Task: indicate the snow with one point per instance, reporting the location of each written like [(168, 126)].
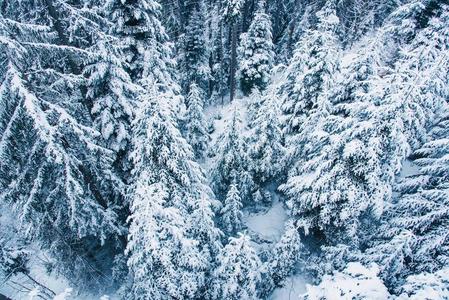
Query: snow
[(409, 169), (269, 224), (294, 286), (355, 282)]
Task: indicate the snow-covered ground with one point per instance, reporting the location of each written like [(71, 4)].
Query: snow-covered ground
[(269, 224)]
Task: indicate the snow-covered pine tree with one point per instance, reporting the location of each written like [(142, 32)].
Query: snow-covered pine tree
[(311, 72), (194, 67), (232, 10), (168, 186), (418, 217), (239, 271), (113, 98), (55, 171), (231, 214), (231, 162), (195, 121), (285, 255), (265, 143), (165, 255), (256, 53), (138, 26)]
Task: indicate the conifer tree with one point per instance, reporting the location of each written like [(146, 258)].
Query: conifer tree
[(113, 97), (230, 161), (265, 143), (232, 12), (285, 255), (238, 272), (56, 172), (231, 211), (137, 24), (196, 127), (256, 48), (311, 72), (194, 60), (165, 255)]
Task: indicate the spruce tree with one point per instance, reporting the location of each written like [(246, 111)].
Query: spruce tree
[(56, 171), (194, 67), (231, 162), (166, 258), (285, 255), (196, 127), (239, 271), (265, 143), (231, 214), (256, 53)]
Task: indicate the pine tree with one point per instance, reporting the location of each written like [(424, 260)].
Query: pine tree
[(113, 96), (196, 127), (56, 172), (230, 161), (238, 272), (137, 24), (311, 72), (285, 255), (165, 256), (231, 211), (232, 12), (194, 57), (265, 143), (256, 48)]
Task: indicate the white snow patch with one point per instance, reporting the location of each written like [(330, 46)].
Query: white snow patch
[(269, 224), (294, 286), (409, 169)]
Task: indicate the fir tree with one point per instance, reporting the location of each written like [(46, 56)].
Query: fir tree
[(56, 172), (256, 58), (113, 97), (194, 60), (168, 188), (238, 272), (230, 161), (285, 255), (196, 127), (231, 212), (265, 143)]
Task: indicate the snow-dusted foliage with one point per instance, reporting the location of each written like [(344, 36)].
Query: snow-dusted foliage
[(266, 152), (323, 127), (166, 258), (56, 171), (256, 53), (238, 272), (144, 40), (355, 282), (231, 214), (413, 237), (286, 255), (113, 98), (196, 127), (194, 67), (430, 286), (231, 162), (311, 74)]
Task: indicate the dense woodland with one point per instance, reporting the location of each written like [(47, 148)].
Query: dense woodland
[(115, 177)]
